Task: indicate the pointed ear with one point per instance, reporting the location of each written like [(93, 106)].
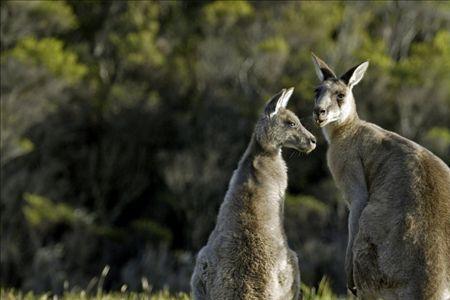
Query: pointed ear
[(284, 99), (323, 71), (278, 101), (355, 74)]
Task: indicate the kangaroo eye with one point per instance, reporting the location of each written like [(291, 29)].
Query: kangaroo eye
[(291, 124), (340, 96)]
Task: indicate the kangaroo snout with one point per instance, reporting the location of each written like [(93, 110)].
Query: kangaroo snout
[(312, 143), (320, 113), (303, 142)]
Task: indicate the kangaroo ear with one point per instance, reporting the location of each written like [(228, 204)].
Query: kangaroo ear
[(278, 101), (355, 74), (284, 99), (323, 71)]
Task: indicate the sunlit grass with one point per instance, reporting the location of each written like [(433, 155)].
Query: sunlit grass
[(9, 294), (322, 292)]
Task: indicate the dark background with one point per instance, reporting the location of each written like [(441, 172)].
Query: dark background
[(121, 124)]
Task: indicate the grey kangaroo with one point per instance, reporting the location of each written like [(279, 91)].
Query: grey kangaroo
[(399, 198), (247, 255)]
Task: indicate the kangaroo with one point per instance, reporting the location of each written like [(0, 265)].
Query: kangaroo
[(247, 255), (399, 198)]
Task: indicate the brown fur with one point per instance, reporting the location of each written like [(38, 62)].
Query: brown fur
[(399, 194), (247, 256)]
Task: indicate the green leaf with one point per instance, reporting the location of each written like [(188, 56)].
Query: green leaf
[(223, 13), (41, 211), (50, 54)]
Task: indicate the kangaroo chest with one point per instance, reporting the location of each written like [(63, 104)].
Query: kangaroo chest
[(347, 170), (340, 161)]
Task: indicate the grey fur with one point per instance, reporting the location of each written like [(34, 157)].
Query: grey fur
[(399, 194), (247, 255)]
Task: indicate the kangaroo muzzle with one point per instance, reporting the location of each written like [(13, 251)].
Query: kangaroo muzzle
[(320, 115)]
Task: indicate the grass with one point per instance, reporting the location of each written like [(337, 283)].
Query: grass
[(322, 292), (10, 294)]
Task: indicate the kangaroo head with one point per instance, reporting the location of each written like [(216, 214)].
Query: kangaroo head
[(279, 127), (334, 101)]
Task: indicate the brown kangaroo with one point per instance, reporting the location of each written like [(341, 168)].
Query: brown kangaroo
[(247, 255), (399, 198)]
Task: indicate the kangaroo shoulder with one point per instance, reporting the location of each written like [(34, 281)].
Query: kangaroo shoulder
[(376, 140)]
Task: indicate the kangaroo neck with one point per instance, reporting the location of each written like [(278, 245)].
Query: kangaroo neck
[(264, 175), (256, 190), (263, 167), (255, 151), (341, 130)]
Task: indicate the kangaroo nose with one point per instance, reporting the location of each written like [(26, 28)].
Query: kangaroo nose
[(313, 140), (319, 111)]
